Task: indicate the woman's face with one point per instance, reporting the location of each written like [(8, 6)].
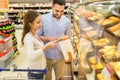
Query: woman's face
[(36, 25)]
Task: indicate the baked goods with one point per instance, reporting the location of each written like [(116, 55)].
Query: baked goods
[(109, 52), (100, 42), (110, 20), (117, 32), (99, 65), (101, 77), (117, 54), (118, 74), (96, 17), (114, 28), (107, 22), (115, 66), (114, 18), (91, 33), (92, 60)]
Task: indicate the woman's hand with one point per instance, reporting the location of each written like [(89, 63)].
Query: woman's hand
[(51, 44)]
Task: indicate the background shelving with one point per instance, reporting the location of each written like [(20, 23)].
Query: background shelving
[(17, 10), (7, 27)]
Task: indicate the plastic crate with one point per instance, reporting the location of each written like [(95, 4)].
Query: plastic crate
[(5, 42), (5, 52), (5, 63), (6, 58)]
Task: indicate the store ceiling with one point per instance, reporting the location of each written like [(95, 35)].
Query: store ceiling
[(36, 1), (46, 1), (29, 1)]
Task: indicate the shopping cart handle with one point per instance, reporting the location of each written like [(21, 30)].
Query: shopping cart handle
[(45, 71), (24, 70), (1, 69)]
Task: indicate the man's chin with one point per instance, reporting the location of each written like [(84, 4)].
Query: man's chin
[(58, 17)]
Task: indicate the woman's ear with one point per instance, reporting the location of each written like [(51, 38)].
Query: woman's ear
[(30, 24)]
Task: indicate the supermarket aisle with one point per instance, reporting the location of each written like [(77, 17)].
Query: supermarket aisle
[(20, 61)]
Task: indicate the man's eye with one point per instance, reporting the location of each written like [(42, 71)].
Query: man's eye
[(62, 11)]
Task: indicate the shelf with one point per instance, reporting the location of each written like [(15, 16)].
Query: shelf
[(4, 38), (114, 40), (13, 12), (15, 42), (14, 39), (17, 10), (19, 26), (16, 7), (15, 54), (31, 7), (85, 22)]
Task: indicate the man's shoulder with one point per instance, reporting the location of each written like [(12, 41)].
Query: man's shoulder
[(46, 15), (66, 19)]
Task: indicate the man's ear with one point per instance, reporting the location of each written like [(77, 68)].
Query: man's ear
[(52, 6)]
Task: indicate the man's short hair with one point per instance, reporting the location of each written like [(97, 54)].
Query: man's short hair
[(60, 2)]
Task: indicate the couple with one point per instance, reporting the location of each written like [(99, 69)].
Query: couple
[(39, 38)]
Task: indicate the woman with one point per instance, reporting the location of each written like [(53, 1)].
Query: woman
[(33, 44)]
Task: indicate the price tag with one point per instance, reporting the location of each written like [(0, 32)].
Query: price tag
[(4, 5), (98, 55), (107, 72), (100, 32), (97, 58)]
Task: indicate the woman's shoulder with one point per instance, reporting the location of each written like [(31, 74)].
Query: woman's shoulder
[(28, 36)]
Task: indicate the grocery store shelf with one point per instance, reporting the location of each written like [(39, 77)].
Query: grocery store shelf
[(20, 26)]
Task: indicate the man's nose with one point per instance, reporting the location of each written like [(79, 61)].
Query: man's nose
[(59, 13)]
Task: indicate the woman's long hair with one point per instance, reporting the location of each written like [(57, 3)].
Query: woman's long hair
[(28, 18)]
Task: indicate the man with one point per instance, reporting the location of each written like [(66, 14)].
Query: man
[(55, 25)]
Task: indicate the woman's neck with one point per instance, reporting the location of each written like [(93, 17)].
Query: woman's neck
[(33, 32)]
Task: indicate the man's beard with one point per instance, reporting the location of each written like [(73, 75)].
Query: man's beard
[(56, 16)]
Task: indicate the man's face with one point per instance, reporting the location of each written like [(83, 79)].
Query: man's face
[(58, 10)]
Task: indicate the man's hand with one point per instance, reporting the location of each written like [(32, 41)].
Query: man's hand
[(52, 38), (47, 39)]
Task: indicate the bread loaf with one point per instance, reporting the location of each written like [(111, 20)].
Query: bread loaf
[(107, 22), (114, 28), (100, 76), (114, 18), (92, 60)]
